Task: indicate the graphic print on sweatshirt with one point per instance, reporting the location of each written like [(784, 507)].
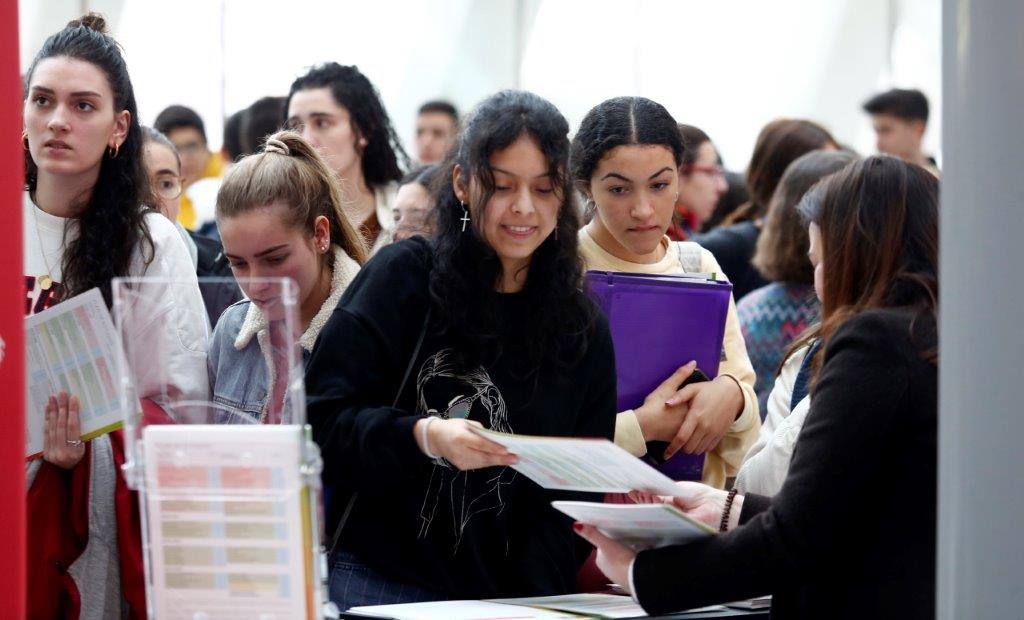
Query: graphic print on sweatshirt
[(444, 388)]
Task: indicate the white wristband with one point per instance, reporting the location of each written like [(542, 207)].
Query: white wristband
[(426, 438)]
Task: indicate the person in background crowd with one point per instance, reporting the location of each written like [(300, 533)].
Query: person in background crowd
[(414, 205), (201, 169), (261, 119), (701, 184), (437, 125), (774, 315), (778, 145), (900, 118), (489, 324), (828, 545), (231, 147), (86, 222), (280, 215), (164, 169), (337, 110), (735, 196), (625, 159)]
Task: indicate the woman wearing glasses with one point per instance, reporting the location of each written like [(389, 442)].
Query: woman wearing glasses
[(701, 184), (163, 167)]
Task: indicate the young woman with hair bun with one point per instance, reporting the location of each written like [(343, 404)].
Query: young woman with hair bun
[(88, 219), (280, 215)]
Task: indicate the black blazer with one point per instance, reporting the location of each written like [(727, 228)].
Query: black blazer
[(851, 534)]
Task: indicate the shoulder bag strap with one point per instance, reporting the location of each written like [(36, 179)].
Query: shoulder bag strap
[(405, 379)]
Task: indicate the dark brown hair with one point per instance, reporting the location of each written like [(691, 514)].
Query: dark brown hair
[(300, 180), (780, 143), (781, 254), (693, 137), (879, 221), (111, 224)]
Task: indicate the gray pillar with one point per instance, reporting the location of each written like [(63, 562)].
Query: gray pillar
[(981, 412)]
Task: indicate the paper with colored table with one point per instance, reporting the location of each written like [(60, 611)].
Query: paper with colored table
[(72, 347), (589, 465), (229, 526)]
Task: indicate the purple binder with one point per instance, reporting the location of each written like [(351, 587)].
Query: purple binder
[(659, 323)]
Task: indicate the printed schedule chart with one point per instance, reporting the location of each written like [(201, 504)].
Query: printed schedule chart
[(229, 525)]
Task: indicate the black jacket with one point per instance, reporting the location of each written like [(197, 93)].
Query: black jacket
[(478, 534), (734, 247), (851, 534)]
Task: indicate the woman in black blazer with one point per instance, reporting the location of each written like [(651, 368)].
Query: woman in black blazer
[(852, 532)]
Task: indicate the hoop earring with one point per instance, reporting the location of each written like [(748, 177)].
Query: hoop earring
[(113, 150), (465, 216), (24, 139)]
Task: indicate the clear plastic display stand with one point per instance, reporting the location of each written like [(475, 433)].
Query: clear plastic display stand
[(229, 491)]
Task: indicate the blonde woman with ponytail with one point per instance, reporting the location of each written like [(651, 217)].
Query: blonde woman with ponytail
[(280, 215)]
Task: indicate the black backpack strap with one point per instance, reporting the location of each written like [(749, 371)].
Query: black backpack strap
[(405, 379)]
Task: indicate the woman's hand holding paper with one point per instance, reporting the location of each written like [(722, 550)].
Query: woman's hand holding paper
[(613, 558), (699, 501), (62, 435), (454, 441)]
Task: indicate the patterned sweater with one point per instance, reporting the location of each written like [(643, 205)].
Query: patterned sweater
[(771, 317)]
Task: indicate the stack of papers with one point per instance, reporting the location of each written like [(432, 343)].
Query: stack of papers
[(229, 523), (640, 526), (573, 606)]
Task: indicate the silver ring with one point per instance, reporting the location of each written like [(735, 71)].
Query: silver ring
[(74, 442)]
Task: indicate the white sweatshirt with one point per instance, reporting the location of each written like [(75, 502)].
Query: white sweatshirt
[(168, 329), (766, 465)]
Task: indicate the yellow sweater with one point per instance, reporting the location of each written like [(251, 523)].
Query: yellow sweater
[(725, 459), (187, 214)]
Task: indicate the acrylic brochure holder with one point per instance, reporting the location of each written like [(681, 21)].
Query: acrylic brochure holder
[(658, 323), (229, 483)]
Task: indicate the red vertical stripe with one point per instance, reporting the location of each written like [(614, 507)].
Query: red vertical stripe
[(12, 385)]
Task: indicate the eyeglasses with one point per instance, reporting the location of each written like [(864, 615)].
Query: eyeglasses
[(167, 186), (190, 148), (717, 171)]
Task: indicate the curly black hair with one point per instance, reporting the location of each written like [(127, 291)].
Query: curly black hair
[(112, 225), (383, 158), (560, 315)]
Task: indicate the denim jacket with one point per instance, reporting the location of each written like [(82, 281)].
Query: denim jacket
[(239, 362)]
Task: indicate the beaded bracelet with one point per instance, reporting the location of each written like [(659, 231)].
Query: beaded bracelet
[(724, 526)]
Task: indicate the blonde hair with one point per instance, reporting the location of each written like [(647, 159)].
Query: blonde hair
[(290, 171)]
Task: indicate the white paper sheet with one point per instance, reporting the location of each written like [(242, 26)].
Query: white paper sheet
[(599, 605), (640, 526), (595, 465), (72, 347), (457, 610), (228, 522)]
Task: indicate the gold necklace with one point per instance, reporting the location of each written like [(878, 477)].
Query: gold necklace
[(45, 282)]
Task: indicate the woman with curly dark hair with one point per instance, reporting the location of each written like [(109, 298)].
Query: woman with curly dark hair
[(337, 110), (487, 324), (85, 223)]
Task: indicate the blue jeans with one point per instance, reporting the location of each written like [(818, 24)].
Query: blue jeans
[(354, 584)]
